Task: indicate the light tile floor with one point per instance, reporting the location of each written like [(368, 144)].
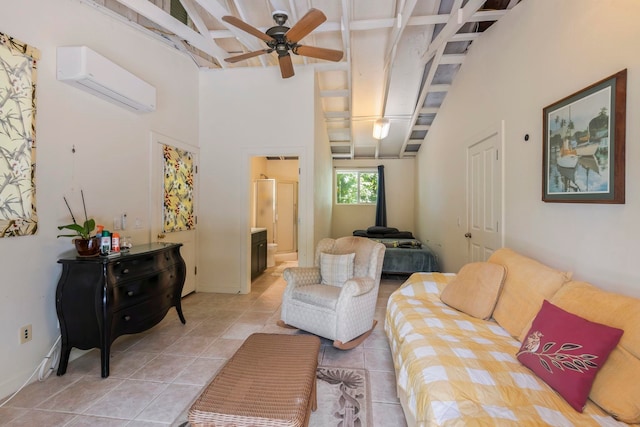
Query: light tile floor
[(156, 375)]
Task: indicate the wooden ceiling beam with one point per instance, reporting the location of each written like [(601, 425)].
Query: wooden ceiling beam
[(216, 10), (457, 18), (377, 24), (197, 20), (168, 22), (345, 28)]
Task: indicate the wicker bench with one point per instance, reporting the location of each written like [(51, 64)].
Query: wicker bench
[(270, 381)]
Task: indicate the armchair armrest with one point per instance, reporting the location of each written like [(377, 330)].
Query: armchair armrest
[(357, 286), (297, 276)]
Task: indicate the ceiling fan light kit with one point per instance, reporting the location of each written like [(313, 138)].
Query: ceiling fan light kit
[(381, 128), (282, 39)]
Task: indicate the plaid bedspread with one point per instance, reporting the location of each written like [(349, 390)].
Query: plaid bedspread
[(456, 370)]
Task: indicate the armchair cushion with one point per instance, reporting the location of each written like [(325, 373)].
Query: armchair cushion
[(358, 286), (336, 269), (318, 295)]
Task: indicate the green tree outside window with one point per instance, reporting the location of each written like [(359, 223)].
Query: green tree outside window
[(356, 187)]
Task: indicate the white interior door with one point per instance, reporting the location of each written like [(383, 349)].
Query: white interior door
[(165, 227), (484, 196), (286, 207)]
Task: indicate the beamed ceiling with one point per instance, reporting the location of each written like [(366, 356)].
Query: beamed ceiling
[(400, 56)]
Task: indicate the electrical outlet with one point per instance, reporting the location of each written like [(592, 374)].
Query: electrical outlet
[(25, 334)]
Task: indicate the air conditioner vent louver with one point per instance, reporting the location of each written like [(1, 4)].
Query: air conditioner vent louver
[(92, 72)]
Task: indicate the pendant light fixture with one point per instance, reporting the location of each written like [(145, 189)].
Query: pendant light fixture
[(381, 128)]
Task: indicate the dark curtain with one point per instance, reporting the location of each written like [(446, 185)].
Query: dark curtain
[(381, 206)]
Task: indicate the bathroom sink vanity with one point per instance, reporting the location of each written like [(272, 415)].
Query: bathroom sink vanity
[(258, 251)]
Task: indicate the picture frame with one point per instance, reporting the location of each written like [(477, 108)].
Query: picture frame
[(583, 150), (18, 77)]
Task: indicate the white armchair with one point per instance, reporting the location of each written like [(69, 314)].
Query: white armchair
[(336, 299)]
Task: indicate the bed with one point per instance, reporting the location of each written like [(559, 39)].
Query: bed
[(404, 254)]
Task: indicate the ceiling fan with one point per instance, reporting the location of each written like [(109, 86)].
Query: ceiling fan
[(282, 39)]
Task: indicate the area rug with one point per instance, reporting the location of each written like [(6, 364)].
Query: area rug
[(344, 399)]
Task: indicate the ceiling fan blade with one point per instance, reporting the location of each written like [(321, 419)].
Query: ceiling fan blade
[(238, 58), (246, 27), (305, 25), (318, 52), (286, 66)]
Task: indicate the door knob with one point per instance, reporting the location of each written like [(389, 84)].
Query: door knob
[(467, 235), (161, 236)]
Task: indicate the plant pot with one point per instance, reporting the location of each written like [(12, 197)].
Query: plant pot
[(87, 247)]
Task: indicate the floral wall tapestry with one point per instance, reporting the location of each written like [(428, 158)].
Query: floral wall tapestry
[(177, 214), (18, 65)]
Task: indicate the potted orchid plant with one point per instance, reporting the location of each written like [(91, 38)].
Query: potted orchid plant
[(86, 245)]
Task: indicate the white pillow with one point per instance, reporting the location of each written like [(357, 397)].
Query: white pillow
[(336, 269)]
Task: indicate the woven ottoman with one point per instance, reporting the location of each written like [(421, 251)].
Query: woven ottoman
[(270, 381)]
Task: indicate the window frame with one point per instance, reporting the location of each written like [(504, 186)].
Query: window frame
[(359, 172)]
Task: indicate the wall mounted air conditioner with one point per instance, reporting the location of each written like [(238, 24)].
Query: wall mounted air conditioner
[(92, 72)]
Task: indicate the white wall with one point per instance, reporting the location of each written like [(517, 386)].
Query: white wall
[(537, 54), (246, 113), (110, 164), (399, 178)]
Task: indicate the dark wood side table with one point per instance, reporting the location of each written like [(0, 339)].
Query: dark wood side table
[(100, 298)]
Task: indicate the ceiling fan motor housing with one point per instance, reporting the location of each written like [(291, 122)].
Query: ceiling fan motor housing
[(279, 43)]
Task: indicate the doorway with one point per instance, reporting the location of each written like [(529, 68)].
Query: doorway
[(274, 202), (484, 195)]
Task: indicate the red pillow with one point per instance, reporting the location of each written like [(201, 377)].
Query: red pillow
[(566, 351)]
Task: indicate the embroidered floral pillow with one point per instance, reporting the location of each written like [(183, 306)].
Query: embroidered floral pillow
[(566, 351)]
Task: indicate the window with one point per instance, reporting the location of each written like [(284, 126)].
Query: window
[(355, 187)]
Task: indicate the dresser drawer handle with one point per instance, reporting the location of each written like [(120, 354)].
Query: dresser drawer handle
[(126, 318), (125, 271), (130, 293)]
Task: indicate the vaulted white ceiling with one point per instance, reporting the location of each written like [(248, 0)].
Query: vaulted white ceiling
[(400, 56)]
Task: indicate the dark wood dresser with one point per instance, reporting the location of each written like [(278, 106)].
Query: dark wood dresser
[(100, 298)]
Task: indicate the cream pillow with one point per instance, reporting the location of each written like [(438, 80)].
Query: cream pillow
[(336, 269), (475, 289), (527, 284)]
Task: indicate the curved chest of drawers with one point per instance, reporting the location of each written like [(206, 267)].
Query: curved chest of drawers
[(99, 299)]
